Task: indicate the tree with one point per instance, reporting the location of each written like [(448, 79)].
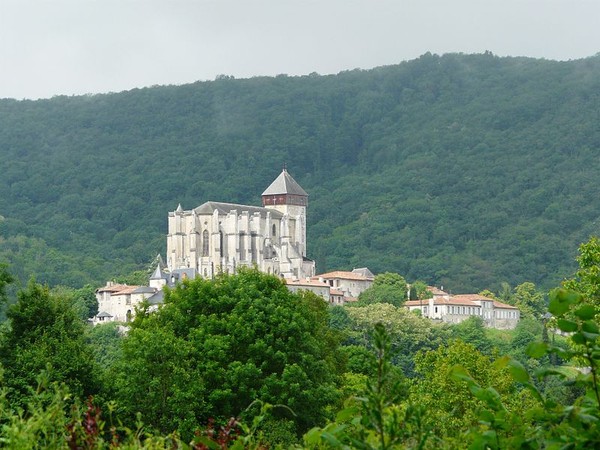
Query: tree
[(419, 291), (217, 345), (87, 301), (5, 279), (408, 332), (84, 300), (451, 408), (529, 300), (472, 331), (387, 288), (45, 334), (587, 278)]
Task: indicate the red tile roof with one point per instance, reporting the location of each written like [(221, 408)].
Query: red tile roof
[(312, 282), (344, 276)]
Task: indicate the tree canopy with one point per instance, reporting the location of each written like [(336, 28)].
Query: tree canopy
[(218, 345)]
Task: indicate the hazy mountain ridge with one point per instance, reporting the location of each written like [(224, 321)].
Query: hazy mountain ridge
[(462, 170)]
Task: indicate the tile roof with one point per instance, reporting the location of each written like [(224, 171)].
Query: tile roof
[(436, 291), (314, 283), (126, 290), (112, 288), (344, 275), (462, 299), (498, 304)]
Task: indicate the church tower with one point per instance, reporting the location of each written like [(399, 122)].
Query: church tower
[(287, 196)]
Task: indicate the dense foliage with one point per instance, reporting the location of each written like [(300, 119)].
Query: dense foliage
[(416, 168), (240, 362), (216, 346)]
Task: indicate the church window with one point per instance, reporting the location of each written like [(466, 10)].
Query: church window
[(205, 243), (274, 230), (242, 246), (128, 317), (221, 242), (253, 246)]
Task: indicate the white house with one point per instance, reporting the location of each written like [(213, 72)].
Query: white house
[(456, 308)]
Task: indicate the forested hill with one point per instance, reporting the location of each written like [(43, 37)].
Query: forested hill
[(461, 170)]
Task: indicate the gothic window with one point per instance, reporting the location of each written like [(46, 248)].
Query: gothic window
[(242, 246), (253, 246), (205, 243)]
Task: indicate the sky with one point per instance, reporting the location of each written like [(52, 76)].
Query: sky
[(75, 47)]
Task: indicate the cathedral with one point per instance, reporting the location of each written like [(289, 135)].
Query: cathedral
[(220, 237)]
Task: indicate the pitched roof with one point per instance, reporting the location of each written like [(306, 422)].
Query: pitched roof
[(112, 288), (126, 290), (226, 208), (345, 276), (304, 282), (436, 291), (285, 184), (364, 271), (462, 299), (498, 304)]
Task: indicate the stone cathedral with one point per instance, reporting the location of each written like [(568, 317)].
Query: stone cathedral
[(220, 237)]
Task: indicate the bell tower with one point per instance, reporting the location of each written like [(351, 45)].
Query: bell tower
[(287, 196)]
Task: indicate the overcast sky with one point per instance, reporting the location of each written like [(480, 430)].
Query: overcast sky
[(54, 47)]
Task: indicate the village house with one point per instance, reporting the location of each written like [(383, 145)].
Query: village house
[(350, 283), (456, 308)]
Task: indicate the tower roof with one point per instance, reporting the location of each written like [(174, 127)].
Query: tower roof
[(285, 184)]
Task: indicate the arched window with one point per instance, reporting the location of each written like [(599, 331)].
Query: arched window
[(274, 230), (205, 243), (128, 315)]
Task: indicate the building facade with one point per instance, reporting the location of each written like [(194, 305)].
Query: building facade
[(456, 308), (220, 237)]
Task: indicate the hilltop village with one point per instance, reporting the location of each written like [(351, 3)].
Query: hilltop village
[(219, 237)]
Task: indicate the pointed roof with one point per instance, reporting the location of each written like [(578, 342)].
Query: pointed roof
[(285, 184), (158, 274)]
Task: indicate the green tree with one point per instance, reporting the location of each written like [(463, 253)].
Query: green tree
[(45, 334), (217, 345), (86, 301), (408, 332), (5, 279), (387, 288), (587, 277), (472, 331), (451, 409), (419, 291), (529, 300)]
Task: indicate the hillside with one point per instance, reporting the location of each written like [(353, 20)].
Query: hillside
[(460, 170)]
